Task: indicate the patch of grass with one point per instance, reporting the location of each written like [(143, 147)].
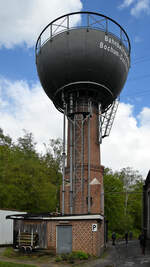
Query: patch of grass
[(9, 252), (42, 256), (11, 264), (39, 256)]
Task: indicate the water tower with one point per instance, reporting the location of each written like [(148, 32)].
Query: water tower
[(82, 61)]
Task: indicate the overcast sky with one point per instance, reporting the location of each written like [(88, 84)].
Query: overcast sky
[(23, 103)]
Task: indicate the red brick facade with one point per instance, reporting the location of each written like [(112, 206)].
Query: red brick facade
[(80, 204), (83, 238), (81, 207)]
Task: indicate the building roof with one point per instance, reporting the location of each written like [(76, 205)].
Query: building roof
[(55, 217)]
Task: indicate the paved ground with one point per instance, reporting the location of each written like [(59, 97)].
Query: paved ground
[(114, 256), (132, 255), (122, 256)]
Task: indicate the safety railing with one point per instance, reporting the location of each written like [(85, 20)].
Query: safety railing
[(88, 20)]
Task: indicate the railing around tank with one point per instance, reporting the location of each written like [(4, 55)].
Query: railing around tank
[(88, 20)]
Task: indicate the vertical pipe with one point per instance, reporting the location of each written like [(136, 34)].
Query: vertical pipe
[(82, 164), (71, 155), (71, 208), (102, 200), (100, 125), (74, 162), (64, 156), (89, 159)]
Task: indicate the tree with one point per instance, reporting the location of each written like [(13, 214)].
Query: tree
[(123, 202), (133, 184), (114, 201), (52, 161), (135, 202), (28, 181), (129, 177)]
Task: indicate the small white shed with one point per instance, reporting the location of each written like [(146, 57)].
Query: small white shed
[(6, 227)]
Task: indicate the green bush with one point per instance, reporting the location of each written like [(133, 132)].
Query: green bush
[(71, 257), (58, 259), (80, 255)]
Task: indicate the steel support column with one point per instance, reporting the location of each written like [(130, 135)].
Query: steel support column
[(64, 158), (71, 156), (82, 163), (89, 167)]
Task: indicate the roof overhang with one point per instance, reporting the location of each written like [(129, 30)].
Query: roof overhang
[(57, 218)]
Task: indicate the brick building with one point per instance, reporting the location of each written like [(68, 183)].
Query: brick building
[(55, 232)]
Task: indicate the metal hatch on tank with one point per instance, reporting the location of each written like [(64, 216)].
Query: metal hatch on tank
[(91, 58)]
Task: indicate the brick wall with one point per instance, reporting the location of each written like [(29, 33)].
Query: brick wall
[(80, 204), (80, 193), (86, 240), (83, 238)]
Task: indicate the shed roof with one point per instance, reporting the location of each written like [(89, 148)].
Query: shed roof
[(55, 217)]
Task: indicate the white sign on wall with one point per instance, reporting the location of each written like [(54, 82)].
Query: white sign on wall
[(94, 227)]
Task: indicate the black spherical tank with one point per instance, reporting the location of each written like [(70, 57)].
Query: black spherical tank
[(91, 58)]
